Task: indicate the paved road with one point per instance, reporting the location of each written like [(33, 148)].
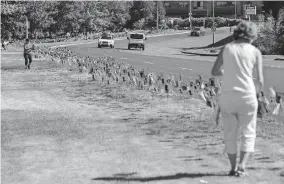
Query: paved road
[(163, 54)]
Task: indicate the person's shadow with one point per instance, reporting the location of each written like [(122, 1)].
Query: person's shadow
[(128, 177)]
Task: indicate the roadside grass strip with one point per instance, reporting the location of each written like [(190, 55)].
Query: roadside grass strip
[(180, 126), (106, 70)]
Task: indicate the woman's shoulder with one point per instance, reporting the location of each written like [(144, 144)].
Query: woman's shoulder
[(247, 46), (257, 51)]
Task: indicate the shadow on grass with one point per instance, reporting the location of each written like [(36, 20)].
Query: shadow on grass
[(265, 168), (158, 178), (13, 67)]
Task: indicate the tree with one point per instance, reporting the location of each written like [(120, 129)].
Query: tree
[(69, 16), (59, 17), (139, 24), (272, 7), (280, 32), (161, 10), (12, 20), (39, 14), (146, 10)]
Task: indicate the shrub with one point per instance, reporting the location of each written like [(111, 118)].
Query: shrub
[(178, 22), (260, 18), (280, 32), (221, 21), (175, 27), (139, 24), (198, 22), (266, 41)]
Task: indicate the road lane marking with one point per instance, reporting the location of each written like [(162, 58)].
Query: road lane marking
[(186, 68), (148, 62)]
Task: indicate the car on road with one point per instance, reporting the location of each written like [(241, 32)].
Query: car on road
[(106, 40), (197, 31), (136, 40)]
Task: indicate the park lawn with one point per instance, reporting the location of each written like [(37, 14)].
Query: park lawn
[(58, 126)]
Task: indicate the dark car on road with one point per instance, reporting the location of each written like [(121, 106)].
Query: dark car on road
[(197, 31)]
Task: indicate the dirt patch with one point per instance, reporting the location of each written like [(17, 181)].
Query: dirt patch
[(59, 126)]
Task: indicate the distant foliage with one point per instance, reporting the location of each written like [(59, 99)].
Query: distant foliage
[(271, 35), (266, 37), (49, 19), (280, 32), (272, 8), (139, 24), (198, 22)]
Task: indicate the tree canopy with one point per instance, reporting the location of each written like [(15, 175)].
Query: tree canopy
[(55, 17), (272, 7)]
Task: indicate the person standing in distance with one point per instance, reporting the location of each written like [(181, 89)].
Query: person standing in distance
[(238, 100), (28, 47)]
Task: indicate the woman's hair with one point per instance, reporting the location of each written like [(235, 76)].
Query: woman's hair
[(245, 30)]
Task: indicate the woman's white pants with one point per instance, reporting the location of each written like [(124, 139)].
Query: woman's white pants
[(239, 112)]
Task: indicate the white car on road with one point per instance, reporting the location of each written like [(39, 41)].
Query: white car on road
[(136, 40), (106, 40)]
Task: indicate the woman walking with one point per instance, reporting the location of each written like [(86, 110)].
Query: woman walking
[(238, 100)]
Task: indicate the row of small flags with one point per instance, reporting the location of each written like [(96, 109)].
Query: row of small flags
[(208, 92)]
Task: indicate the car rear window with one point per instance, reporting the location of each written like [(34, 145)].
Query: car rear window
[(197, 29), (106, 37), (136, 36)]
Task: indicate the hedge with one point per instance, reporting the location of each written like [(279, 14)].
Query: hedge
[(219, 21)]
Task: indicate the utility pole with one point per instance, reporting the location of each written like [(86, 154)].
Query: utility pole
[(27, 27), (235, 9), (213, 25), (157, 17), (190, 15), (207, 9)]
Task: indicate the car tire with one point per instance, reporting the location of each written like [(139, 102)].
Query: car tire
[(128, 47), (99, 46), (143, 48)]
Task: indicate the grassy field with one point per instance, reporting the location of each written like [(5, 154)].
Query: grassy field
[(59, 126)]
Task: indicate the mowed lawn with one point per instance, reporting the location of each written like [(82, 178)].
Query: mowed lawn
[(58, 126)]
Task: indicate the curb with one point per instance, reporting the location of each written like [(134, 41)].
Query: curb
[(199, 54)]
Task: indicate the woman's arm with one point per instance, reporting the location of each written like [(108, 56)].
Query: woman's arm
[(259, 70), (216, 70)]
